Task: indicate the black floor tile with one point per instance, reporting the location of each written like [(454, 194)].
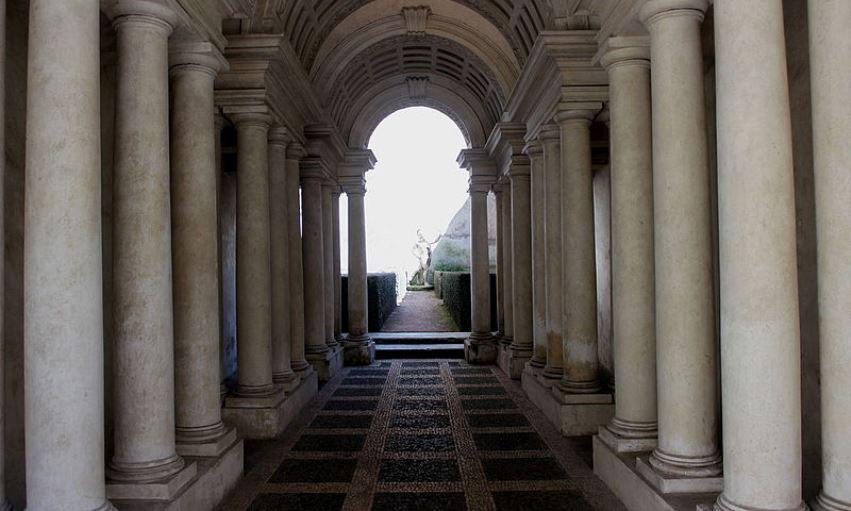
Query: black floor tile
[(330, 443), (419, 443), (351, 405), (523, 469), (509, 441), (475, 380), (540, 501), (481, 391), (386, 364), (430, 390), (454, 364), (418, 421), (341, 422), (497, 420), (420, 372), (298, 501), (368, 372), (363, 381), (315, 471), (419, 471), (419, 502), (470, 370), (487, 404), (420, 405), (432, 380), (420, 364), (356, 392)]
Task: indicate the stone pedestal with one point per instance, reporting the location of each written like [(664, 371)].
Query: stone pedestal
[(266, 416), (358, 352), (571, 414), (328, 363)]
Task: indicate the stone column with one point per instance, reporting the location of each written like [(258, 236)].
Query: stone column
[(194, 225), (686, 363), (504, 212), (4, 506), (335, 230), (328, 188), (143, 313), (760, 331), (314, 264), (219, 125), (521, 263), (550, 141), (295, 152), (63, 303), (253, 256), (633, 307), (539, 293), (830, 46), (359, 348), (500, 266), (282, 372)]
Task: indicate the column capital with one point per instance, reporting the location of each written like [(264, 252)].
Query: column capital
[(519, 168), (549, 133), (627, 51), (203, 56), (330, 185), (144, 12), (353, 185), (654, 10), (478, 162), (296, 151), (583, 113), (533, 149), (257, 116), (312, 169), (279, 135)]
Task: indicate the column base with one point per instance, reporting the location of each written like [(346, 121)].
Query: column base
[(826, 503), (215, 478), (265, 418), (512, 360), (618, 472), (209, 448), (504, 340), (623, 443), (303, 369), (723, 504), (480, 348), (667, 483), (161, 489), (571, 414), (358, 351), (327, 364), (287, 381)]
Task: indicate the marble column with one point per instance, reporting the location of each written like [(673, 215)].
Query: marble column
[(535, 152), (521, 262), (500, 265), (194, 225), (633, 428), (686, 365), (314, 267), (551, 143), (328, 188), (507, 266), (760, 330), (63, 302), (335, 230), (359, 348), (144, 449), (253, 256), (282, 372), (830, 47), (295, 152)]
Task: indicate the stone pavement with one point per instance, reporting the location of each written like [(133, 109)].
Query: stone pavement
[(420, 311), (421, 435)]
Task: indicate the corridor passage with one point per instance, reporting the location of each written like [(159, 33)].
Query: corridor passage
[(407, 435), (420, 311)]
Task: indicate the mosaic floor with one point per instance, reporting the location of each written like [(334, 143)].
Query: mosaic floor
[(421, 435)]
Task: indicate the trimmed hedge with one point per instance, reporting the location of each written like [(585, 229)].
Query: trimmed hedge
[(454, 288), (381, 299)]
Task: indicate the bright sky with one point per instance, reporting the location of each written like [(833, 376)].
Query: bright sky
[(416, 184)]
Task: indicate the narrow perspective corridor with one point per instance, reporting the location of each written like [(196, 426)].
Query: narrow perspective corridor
[(420, 311), (421, 435)]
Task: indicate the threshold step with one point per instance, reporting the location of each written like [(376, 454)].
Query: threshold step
[(419, 337)]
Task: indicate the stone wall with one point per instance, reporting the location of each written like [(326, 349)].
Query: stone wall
[(381, 299)]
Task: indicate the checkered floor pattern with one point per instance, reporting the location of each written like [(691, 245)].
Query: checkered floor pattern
[(420, 435)]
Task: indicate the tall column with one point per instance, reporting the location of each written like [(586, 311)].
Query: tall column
[(194, 225), (633, 307), (551, 142), (686, 364), (335, 230), (500, 265), (539, 293), (328, 259), (4, 506), (578, 260), (359, 348), (480, 347), (63, 305), (830, 46), (504, 212), (295, 152), (143, 313), (253, 256), (521, 263), (760, 339), (282, 372), (314, 267), (219, 121)]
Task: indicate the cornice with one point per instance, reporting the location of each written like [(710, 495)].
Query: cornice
[(505, 145)]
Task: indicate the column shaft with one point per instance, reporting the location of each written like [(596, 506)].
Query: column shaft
[(195, 254), (253, 257), (479, 274), (338, 299), (4, 506), (297, 328), (578, 259), (521, 259), (552, 260), (328, 259), (280, 255), (830, 47), (143, 313), (686, 361), (539, 282), (63, 306), (313, 260), (760, 339), (507, 266), (357, 285), (633, 305), (500, 265)]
